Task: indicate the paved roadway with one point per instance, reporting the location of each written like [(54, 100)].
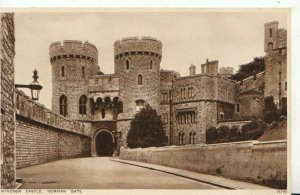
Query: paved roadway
[(100, 173)]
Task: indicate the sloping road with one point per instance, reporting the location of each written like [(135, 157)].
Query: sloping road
[(100, 173)]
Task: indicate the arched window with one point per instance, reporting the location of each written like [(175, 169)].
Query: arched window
[(83, 72), (194, 138), (63, 105), (180, 139), (103, 113), (82, 105), (127, 65), (62, 69), (140, 79), (270, 32), (151, 65), (139, 105), (270, 46)]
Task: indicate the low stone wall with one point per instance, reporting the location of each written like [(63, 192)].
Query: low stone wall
[(38, 143), (258, 162)]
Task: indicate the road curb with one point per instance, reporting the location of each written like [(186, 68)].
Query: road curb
[(210, 182), (180, 175)]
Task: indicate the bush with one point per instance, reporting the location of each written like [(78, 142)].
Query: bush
[(271, 116), (234, 133), (223, 132), (211, 135), (146, 129), (269, 104)]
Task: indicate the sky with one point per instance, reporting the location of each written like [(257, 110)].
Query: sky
[(233, 37)]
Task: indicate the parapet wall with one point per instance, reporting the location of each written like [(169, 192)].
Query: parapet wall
[(38, 112), (252, 83), (73, 48), (43, 136), (137, 44), (252, 161)]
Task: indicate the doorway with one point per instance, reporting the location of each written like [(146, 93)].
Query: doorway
[(104, 144)]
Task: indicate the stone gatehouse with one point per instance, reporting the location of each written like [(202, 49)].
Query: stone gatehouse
[(188, 105)]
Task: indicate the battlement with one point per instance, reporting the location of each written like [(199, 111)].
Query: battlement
[(25, 107), (136, 45), (73, 48)]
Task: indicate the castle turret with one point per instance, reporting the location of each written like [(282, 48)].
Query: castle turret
[(275, 63), (73, 63), (137, 63), (192, 70)]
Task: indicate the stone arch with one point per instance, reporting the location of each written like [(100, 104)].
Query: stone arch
[(94, 141)]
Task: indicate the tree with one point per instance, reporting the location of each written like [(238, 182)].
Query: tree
[(247, 70), (146, 129)]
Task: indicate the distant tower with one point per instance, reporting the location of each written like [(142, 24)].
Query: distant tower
[(275, 45), (73, 63), (137, 63)]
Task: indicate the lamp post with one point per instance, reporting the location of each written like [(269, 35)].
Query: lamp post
[(35, 87)]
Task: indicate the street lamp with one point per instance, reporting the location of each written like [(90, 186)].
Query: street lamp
[(35, 87)]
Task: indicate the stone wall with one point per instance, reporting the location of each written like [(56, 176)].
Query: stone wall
[(7, 129), (253, 161), (37, 143), (43, 136)]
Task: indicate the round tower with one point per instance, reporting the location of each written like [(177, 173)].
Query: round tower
[(137, 63), (73, 63)]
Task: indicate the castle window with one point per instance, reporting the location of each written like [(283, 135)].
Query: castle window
[(285, 86), (127, 65), (82, 72), (103, 113), (82, 105), (62, 71), (140, 79), (165, 97), (237, 108), (192, 91), (270, 32), (18, 101), (151, 65), (193, 138), (189, 91), (139, 105), (270, 46), (109, 80), (63, 105), (179, 138)]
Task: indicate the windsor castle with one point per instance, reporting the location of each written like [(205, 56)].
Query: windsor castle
[(188, 105)]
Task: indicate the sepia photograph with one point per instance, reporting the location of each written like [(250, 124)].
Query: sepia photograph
[(177, 99)]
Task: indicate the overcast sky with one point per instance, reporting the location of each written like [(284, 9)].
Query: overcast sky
[(188, 37)]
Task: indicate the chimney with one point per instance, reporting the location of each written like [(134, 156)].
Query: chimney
[(192, 70)]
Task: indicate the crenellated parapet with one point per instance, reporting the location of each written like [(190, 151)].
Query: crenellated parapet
[(138, 45), (32, 110), (73, 49)]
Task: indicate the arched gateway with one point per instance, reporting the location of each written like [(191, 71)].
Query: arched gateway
[(103, 143)]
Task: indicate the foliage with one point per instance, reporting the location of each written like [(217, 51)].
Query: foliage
[(146, 129), (211, 135), (271, 113), (223, 134), (247, 70), (271, 116), (269, 104)]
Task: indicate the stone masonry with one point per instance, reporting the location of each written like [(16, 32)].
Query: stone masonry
[(187, 105), (7, 130)]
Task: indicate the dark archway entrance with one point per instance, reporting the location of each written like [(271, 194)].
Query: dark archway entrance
[(104, 144)]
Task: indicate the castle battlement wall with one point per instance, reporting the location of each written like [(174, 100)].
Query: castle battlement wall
[(251, 83), (138, 45), (73, 48), (25, 107)]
